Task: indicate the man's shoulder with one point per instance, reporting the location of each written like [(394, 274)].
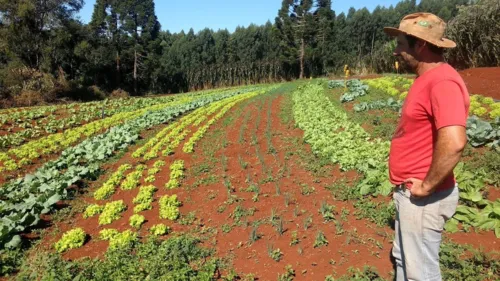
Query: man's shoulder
[(444, 74)]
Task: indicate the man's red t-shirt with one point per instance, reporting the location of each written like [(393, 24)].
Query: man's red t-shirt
[(437, 99)]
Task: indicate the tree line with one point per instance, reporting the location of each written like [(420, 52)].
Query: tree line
[(46, 53)]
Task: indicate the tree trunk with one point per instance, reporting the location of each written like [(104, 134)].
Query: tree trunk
[(302, 54), (117, 69), (135, 72)]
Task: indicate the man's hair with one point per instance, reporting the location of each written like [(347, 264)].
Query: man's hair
[(412, 40)]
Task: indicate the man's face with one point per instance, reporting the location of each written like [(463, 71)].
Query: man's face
[(406, 56)]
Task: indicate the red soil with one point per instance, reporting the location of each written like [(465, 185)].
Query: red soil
[(312, 263), (484, 81)]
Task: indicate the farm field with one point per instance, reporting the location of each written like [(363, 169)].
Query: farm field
[(268, 182)]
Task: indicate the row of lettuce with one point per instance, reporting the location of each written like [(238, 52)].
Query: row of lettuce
[(22, 201), (330, 132), (19, 126), (169, 139)]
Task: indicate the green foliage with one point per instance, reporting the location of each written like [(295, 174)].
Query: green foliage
[(10, 260), (108, 188), (107, 234), (474, 29), (169, 207), (145, 195), (86, 158), (355, 89), (288, 275), (380, 104), (275, 254), (380, 213), (176, 174), (480, 132), (320, 240), (71, 240), (460, 262), (327, 211), (159, 229), (333, 136), (179, 259), (122, 240), (367, 274), (136, 221), (112, 211), (92, 210), (295, 238)]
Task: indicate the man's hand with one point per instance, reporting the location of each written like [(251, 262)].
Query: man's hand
[(417, 188)]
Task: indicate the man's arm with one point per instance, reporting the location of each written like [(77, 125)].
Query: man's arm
[(449, 146)]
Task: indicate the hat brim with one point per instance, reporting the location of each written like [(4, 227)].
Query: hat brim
[(443, 43)]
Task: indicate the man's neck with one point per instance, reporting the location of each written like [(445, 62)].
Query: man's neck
[(423, 67), (428, 62)]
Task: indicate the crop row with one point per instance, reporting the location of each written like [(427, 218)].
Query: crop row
[(391, 85), (16, 158), (331, 134), (24, 200)]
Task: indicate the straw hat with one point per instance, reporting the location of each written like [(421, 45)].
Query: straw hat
[(425, 26)]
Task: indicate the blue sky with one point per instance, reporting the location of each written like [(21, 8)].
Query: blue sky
[(177, 15)]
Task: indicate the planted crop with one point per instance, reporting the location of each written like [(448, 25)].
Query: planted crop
[(71, 240), (112, 211), (169, 207)]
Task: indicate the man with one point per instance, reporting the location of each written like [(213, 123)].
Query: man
[(426, 146)]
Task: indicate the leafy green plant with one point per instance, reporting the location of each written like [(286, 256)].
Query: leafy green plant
[(295, 238), (480, 132), (327, 211), (320, 240), (487, 218), (136, 221), (176, 173), (459, 262), (159, 229), (226, 228), (142, 207), (169, 207), (275, 254), (145, 195), (254, 235), (289, 274), (124, 239), (353, 274), (162, 256), (112, 211), (92, 210), (307, 190), (72, 239), (308, 222), (107, 234)]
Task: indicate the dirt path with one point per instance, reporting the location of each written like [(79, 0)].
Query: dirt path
[(351, 242)]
